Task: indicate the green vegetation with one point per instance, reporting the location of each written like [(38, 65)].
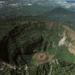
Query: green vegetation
[(25, 38)]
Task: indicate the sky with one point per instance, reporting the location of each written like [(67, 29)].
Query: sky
[(68, 4)]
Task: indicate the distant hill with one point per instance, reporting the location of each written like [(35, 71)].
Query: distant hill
[(32, 10), (61, 14)]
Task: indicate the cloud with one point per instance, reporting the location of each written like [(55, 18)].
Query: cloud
[(64, 3), (67, 6), (2, 2), (73, 4), (14, 4), (19, 4), (1, 5), (29, 4)]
